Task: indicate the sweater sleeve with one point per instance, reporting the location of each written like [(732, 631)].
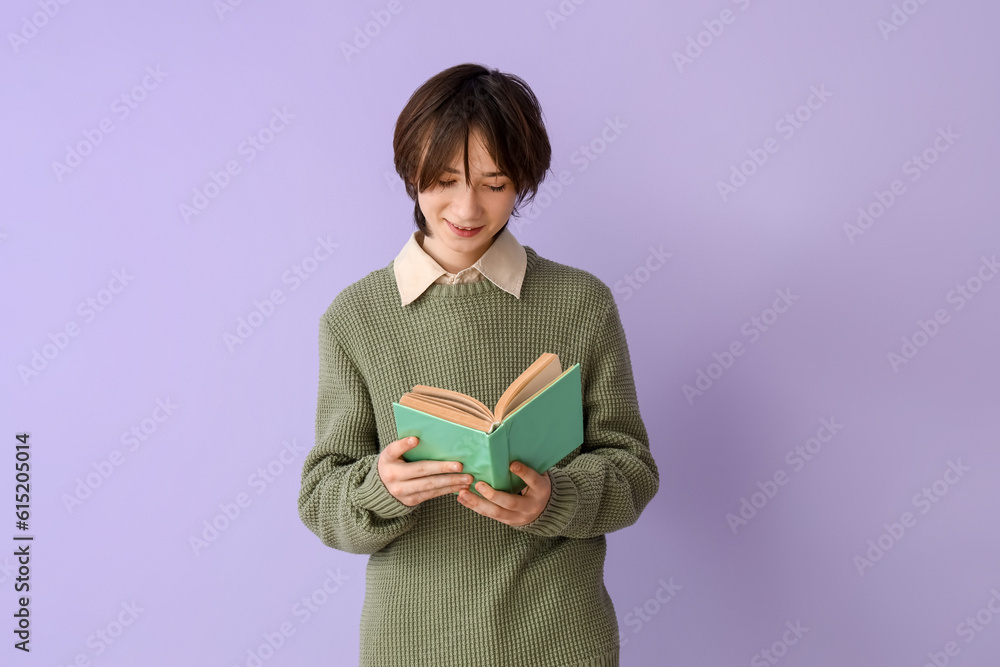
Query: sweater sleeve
[(608, 484), (342, 499)]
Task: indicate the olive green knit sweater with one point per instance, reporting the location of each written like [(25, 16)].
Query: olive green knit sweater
[(446, 586)]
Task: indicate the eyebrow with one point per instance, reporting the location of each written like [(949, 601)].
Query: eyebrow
[(489, 174)]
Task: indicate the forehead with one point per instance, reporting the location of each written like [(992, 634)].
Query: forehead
[(480, 161), (481, 164)]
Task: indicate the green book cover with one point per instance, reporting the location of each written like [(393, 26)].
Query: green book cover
[(539, 433)]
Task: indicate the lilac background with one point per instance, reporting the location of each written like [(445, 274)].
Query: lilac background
[(329, 174)]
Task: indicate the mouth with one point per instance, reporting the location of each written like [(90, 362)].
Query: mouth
[(464, 232)]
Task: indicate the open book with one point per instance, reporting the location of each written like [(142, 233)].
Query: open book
[(537, 421)]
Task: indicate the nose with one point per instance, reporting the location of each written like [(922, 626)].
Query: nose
[(466, 205)]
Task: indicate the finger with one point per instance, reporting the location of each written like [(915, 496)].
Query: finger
[(447, 490), (490, 509), (413, 469), (394, 450), (436, 485), (417, 469), (500, 499), (478, 504), (526, 473)]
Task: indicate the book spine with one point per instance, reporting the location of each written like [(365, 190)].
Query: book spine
[(499, 448)]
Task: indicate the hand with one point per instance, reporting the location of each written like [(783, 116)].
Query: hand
[(412, 482), (511, 509)]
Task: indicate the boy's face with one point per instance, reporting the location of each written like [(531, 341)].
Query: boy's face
[(485, 206)]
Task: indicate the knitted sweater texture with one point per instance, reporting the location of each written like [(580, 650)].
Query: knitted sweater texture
[(444, 585)]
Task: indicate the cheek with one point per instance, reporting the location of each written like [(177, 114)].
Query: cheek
[(432, 202), (428, 204)]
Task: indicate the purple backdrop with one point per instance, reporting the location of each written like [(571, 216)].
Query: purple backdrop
[(793, 202)]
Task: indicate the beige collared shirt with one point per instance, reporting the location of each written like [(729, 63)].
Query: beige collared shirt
[(503, 264)]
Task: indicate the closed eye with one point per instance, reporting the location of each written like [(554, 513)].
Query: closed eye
[(448, 184)]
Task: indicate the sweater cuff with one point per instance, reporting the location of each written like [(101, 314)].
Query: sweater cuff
[(560, 509), (373, 496)]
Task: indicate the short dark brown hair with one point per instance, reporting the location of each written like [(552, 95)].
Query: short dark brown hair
[(442, 112)]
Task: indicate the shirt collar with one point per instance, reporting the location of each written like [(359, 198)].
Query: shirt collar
[(504, 264)]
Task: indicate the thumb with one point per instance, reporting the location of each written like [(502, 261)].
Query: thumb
[(408, 444)]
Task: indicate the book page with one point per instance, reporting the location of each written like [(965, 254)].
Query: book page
[(538, 376), (534, 393), (456, 399)]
